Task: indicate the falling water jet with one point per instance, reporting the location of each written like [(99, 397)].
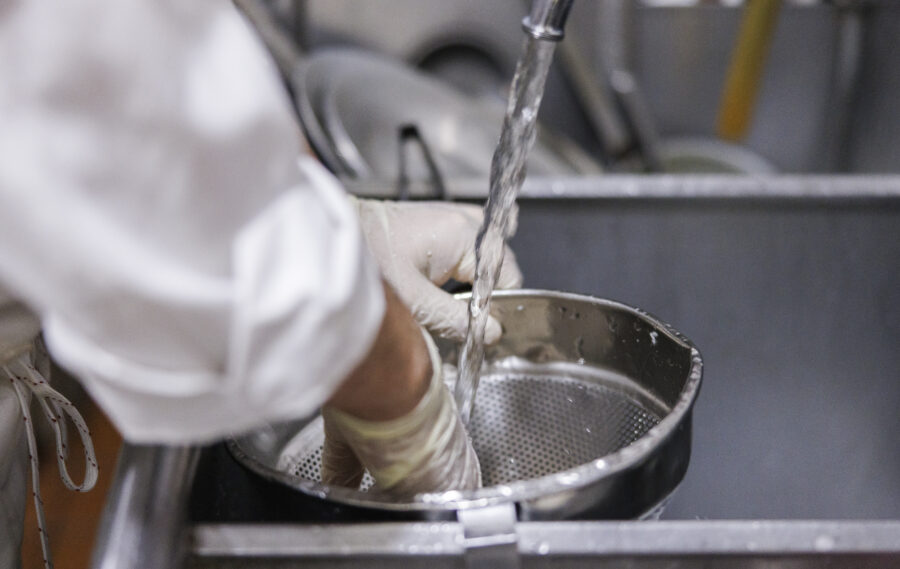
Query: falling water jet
[(544, 28)]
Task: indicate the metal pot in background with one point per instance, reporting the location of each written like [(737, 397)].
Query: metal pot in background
[(700, 155), (366, 108)]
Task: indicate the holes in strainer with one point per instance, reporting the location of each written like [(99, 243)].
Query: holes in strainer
[(309, 466), (525, 427)]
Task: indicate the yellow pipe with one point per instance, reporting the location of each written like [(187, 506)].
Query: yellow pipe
[(745, 70)]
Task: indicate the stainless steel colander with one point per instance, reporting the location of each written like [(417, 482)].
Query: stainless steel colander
[(583, 411)]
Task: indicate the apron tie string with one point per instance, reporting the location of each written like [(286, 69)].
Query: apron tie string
[(26, 378)]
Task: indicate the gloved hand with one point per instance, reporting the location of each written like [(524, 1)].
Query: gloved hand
[(419, 247), (426, 450)]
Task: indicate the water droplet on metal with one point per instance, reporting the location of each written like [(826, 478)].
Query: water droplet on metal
[(568, 478)]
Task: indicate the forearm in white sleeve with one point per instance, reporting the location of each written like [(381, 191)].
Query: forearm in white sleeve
[(152, 209)]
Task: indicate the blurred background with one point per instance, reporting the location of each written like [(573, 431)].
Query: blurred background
[(825, 92)]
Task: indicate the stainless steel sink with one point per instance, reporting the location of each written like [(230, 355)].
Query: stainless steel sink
[(560, 545), (789, 286)]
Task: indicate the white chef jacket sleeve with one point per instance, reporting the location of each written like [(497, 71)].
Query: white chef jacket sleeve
[(196, 275)]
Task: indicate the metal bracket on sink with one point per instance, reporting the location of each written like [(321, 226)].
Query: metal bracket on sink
[(490, 539)]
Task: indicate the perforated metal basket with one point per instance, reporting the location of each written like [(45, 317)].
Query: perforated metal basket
[(583, 411)]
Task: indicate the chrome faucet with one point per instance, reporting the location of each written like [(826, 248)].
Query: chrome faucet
[(547, 19)]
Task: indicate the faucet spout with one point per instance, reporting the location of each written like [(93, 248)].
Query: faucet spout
[(547, 19)]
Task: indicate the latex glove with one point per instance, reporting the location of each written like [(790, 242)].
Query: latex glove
[(426, 450), (419, 247)]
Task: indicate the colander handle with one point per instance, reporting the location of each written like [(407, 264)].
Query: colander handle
[(490, 537)]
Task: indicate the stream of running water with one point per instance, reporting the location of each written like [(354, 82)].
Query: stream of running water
[(507, 175)]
